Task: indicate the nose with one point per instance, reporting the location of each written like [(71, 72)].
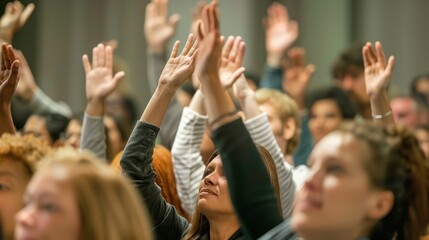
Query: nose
[(24, 217), (313, 180), (211, 179)]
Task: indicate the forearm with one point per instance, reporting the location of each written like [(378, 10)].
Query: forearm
[(6, 120), (158, 105), (261, 133), (251, 191), (93, 136), (40, 102), (272, 78), (381, 110), (136, 164), (187, 161)]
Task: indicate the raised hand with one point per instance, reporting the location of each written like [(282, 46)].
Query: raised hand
[(8, 81), (297, 75), (377, 72), (280, 33), (100, 81), (179, 68), (158, 30), (13, 19), (231, 61), (27, 85), (210, 45)]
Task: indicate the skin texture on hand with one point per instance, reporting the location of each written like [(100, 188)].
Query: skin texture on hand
[(14, 18), (177, 70), (8, 81), (231, 61), (157, 28), (100, 81), (297, 75), (377, 78), (280, 33)]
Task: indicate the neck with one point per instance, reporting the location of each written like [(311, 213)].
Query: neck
[(223, 228), (345, 235)]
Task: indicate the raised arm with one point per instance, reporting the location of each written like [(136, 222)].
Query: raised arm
[(280, 34), (100, 82), (377, 78), (253, 197), (8, 81), (137, 157), (13, 19)]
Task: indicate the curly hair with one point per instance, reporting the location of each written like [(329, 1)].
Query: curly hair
[(28, 149)]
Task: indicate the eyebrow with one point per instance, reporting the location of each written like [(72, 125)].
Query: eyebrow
[(6, 174)]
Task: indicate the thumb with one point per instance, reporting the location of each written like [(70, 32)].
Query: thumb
[(119, 76), (310, 69), (390, 64)]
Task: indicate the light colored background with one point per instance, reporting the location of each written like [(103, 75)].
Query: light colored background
[(60, 31)]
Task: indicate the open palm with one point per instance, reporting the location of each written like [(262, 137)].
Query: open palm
[(179, 68), (8, 74)]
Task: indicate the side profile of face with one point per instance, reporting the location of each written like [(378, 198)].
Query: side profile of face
[(36, 126), (51, 210), (337, 197), (73, 133), (214, 198), (325, 117), (13, 180), (405, 111)]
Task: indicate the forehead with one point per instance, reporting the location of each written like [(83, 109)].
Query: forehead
[(325, 104), (215, 162), (12, 167), (339, 146), (35, 122)]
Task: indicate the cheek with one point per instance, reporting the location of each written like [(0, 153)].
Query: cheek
[(10, 204)]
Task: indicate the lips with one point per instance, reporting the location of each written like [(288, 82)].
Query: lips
[(207, 191), (308, 203)]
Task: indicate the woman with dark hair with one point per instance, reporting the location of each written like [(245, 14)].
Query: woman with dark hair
[(214, 216), (328, 108)]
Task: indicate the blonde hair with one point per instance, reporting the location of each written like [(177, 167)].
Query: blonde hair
[(286, 108), (26, 149), (109, 207)]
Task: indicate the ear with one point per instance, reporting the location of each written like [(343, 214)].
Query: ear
[(380, 204), (289, 128)]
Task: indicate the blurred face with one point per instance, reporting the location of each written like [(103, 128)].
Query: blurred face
[(275, 122), (115, 143), (353, 83), (325, 117), (422, 86), (423, 137), (37, 126), (405, 112), (337, 196), (13, 180), (73, 134), (51, 210), (214, 198)]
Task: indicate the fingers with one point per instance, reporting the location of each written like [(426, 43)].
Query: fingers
[(200, 31), (101, 55), (13, 76), (119, 76), (234, 77), (28, 10), (95, 57), (173, 20), (86, 64), (162, 8), (227, 47), (3, 56), (150, 11), (175, 49), (390, 64), (240, 56), (380, 54), (188, 45), (109, 58), (233, 53)]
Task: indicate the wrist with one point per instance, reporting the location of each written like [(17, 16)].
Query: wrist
[(274, 60)]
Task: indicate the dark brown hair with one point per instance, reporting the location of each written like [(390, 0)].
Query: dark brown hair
[(200, 224)]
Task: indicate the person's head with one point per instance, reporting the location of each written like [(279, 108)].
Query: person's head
[(405, 111), (73, 131), (46, 126), (283, 115), (420, 84), (74, 196), (328, 108), (214, 199), (348, 73), (122, 107), (365, 181), (116, 136), (422, 135), (18, 158)]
